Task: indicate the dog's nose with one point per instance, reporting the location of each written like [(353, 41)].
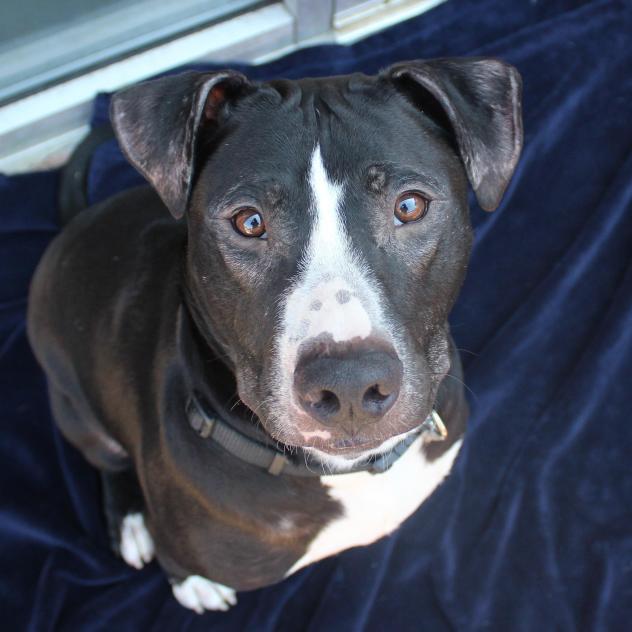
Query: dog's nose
[(349, 389)]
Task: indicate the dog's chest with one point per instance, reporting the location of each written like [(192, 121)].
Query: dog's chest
[(374, 505)]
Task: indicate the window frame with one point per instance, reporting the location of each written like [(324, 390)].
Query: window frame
[(40, 130)]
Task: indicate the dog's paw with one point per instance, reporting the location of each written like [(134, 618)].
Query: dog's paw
[(136, 545), (200, 594)]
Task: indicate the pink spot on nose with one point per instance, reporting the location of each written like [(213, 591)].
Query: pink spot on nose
[(316, 434)]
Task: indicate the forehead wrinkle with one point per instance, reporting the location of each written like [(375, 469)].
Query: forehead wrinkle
[(406, 170), (263, 188)]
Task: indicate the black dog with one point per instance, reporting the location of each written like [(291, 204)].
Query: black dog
[(263, 384)]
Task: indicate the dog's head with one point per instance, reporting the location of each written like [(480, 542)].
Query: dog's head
[(329, 230)]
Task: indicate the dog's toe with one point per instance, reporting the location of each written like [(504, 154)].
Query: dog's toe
[(200, 594), (136, 546)]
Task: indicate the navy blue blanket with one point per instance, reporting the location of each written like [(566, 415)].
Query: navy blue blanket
[(533, 530)]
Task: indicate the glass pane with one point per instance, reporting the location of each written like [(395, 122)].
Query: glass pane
[(42, 41)]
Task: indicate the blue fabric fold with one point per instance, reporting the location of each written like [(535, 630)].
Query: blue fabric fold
[(533, 529)]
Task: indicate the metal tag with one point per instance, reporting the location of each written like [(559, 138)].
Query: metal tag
[(434, 427)]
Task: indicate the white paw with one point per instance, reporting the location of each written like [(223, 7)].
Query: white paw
[(137, 547), (200, 594)]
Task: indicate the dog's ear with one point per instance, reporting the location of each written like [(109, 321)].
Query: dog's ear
[(481, 98), (158, 122)]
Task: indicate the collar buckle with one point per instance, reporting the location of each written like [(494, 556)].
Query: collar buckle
[(199, 420), (277, 465), (434, 427)]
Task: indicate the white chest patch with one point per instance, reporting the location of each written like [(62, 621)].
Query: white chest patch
[(374, 505)]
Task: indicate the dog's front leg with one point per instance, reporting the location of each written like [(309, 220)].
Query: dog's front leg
[(123, 507), (130, 538)]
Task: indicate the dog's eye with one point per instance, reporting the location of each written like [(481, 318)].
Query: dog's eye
[(410, 207), (249, 223)]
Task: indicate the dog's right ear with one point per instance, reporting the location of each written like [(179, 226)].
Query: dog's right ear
[(157, 124)]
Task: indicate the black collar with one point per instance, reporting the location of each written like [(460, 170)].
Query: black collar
[(209, 425)]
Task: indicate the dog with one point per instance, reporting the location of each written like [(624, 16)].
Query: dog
[(254, 351)]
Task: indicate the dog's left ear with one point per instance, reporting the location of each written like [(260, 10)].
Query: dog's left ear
[(481, 98), (158, 122)]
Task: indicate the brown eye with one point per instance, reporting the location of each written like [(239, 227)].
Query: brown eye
[(249, 223), (410, 207)]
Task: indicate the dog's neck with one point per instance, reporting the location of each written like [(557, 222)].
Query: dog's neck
[(197, 324), (451, 404), (207, 371)]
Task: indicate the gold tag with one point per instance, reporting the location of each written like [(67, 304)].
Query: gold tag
[(435, 428)]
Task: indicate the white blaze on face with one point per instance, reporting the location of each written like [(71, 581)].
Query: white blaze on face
[(326, 300), (333, 294)]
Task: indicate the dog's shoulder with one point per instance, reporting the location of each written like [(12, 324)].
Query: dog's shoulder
[(111, 257)]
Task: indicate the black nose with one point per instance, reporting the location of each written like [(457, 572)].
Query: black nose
[(350, 388)]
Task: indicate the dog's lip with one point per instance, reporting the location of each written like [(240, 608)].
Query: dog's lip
[(341, 446), (346, 446), (357, 447)]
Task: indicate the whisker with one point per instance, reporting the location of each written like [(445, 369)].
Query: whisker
[(465, 386), (467, 351)]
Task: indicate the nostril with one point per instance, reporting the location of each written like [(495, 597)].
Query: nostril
[(376, 399), (322, 404), (328, 404)]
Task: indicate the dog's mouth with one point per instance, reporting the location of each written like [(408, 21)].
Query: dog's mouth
[(343, 446), (352, 448), (326, 442), (349, 447), (347, 453)]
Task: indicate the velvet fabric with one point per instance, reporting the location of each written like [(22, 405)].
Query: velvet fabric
[(533, 528)]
